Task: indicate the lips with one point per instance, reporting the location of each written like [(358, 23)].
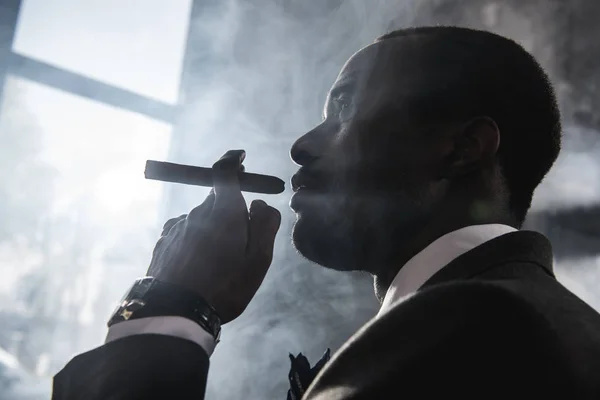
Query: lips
[(297, 183), (305, 180), (308, 187)]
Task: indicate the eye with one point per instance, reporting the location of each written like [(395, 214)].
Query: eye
[(342, 102), (343, 106)]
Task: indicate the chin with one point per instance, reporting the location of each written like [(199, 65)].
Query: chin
[(327, 243), (352, 236), (314, 244)]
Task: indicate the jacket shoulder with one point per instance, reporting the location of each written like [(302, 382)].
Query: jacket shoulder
[(471, 302), (450, 334)]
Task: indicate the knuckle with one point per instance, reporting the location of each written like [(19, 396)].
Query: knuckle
[(195, 216), (173, 220), (199, 213), (167, 225), (196, 227), (159, 245)]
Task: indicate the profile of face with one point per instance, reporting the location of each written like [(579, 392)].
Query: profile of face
[(368, 177)]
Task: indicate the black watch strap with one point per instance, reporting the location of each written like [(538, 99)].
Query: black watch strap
[(149, 297)]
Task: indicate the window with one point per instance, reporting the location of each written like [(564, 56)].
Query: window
[(136, 45), (88, 88), (79, 219)]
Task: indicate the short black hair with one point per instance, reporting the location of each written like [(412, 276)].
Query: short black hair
[(490, 75)]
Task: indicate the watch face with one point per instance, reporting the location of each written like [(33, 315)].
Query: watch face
[(139, 288), (131, 307)]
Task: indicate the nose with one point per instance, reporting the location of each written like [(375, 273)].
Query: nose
[(308, 147)]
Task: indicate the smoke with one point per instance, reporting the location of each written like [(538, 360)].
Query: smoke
[(575, 178), (266, 67), (275, 65)]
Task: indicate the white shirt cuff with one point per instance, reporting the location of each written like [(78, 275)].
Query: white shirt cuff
[(171, 326)]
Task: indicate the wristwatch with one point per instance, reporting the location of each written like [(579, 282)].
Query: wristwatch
[(149, 297)]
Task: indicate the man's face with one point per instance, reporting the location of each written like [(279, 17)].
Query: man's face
[(365, 182)]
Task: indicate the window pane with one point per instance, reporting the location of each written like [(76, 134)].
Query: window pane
[(78, 218), (137, 45)]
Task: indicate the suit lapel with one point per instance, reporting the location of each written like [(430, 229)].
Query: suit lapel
[(515, 247)]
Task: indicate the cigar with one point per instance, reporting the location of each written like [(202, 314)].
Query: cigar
[(199, 176)]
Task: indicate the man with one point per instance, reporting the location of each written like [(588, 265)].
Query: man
[(432, 143)]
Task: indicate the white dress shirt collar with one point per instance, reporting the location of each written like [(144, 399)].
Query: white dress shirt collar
[(436, 256)]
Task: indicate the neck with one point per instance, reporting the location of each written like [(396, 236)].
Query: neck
[(447, 220)]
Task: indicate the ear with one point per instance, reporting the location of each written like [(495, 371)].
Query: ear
[(474, 146)]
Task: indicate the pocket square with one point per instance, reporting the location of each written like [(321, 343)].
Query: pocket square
[(301, 374)]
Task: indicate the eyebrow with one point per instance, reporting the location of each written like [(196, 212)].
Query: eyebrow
[(341, 88)]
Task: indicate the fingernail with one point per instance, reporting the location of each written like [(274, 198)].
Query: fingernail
[(236, 155)]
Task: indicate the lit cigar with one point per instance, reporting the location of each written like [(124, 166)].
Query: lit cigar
[(199, 176)]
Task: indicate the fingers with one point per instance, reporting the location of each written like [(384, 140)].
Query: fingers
[(264, 224), (225, 171), (170, 223), (201, 212), (225, 178)]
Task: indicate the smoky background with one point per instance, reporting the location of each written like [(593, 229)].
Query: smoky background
[(186, 81)]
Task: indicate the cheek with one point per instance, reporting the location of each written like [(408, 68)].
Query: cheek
[(348, 155), (364, 159)]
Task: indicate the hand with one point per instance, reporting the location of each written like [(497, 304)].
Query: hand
[(220, 250)]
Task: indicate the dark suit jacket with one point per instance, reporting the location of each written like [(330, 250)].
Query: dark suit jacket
[(494, 323)]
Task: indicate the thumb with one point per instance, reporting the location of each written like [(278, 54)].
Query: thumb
[(263, 226)]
